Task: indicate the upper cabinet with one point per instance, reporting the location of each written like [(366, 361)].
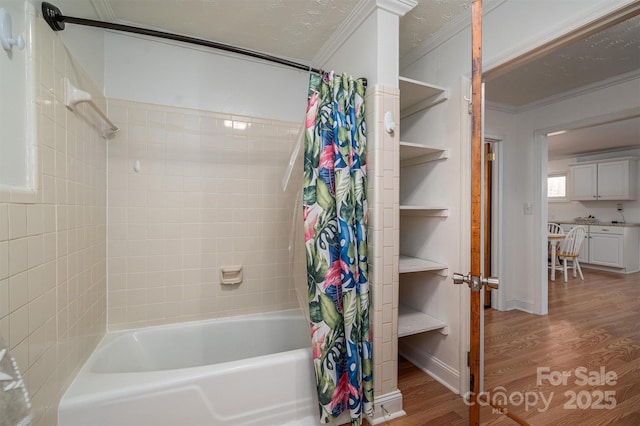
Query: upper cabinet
[(604, 180)]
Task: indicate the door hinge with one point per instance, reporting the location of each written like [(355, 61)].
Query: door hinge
[(491, 156), (468, 359)]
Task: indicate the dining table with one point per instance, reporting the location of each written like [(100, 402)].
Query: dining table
[(554, 242)]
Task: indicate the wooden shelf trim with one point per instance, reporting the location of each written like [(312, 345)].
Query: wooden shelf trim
[(413, 153), (411, 321), (410, 264), (416, 96)]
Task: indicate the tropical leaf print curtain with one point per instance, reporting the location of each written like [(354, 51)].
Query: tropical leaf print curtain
[(335, 225)]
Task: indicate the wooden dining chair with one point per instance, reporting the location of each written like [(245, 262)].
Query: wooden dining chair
[(554, 228), (569, 250)]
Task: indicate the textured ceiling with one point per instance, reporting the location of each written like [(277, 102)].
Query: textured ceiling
[(427, 18), (608, 53), (294, 29)]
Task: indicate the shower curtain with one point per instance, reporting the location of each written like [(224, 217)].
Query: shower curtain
[(335, 226)]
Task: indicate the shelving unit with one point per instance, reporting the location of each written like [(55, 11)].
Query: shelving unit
[(413, 153), (406, 210), (410, 264), (416, 96), (411, 321)]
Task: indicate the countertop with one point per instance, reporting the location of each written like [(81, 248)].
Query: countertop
[(574, 222)]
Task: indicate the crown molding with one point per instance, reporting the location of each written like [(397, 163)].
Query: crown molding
[(496, 106), (451, 29), (583, 90), (397, 7), (103, 10), (354, 20), (580, 91)]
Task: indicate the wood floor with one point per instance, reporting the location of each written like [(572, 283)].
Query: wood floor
[(592, 333)]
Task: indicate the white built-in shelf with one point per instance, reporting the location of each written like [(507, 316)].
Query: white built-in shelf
[(413, 264), (411, 321), (416, 96), (407, 210), (414, 153)]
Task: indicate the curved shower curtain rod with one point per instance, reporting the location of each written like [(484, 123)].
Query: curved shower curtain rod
[(56, 21)]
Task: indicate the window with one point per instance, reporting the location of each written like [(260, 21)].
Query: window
[(557, 187)]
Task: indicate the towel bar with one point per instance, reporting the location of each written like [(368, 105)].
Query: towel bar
[(74, 96)]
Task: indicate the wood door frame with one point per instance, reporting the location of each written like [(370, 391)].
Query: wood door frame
[(487, 217), (497, 213)]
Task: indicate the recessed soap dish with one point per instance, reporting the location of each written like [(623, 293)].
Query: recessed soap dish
[(230, 275)]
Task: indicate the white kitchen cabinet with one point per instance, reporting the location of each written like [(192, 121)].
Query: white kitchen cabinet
[(604, 180), (614, 248), (416, 96), (584, 182), (606, 246)]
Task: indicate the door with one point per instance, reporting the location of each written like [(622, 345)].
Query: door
[(474, 279)]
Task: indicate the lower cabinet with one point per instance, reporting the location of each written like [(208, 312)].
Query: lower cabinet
[(606, 246), (610, 246)]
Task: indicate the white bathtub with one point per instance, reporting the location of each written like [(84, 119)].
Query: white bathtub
[(250, 370)]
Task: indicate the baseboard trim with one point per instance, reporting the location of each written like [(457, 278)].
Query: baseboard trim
[(434, 367), (521, 305), (621, 271), (392, 403)]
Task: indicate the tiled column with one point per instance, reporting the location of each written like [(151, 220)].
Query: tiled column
[(383, 164)]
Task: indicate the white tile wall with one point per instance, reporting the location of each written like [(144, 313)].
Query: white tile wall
[(207, 195), (384, 225), (52, 239)]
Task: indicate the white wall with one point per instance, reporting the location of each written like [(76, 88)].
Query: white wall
[(86, 44), (17, 117), (16, 142), (371, 51), (161, 72)]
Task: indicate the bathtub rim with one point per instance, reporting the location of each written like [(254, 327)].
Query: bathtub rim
[(87, 382)]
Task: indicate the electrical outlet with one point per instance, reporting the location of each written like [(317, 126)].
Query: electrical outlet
[(620, 207)]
